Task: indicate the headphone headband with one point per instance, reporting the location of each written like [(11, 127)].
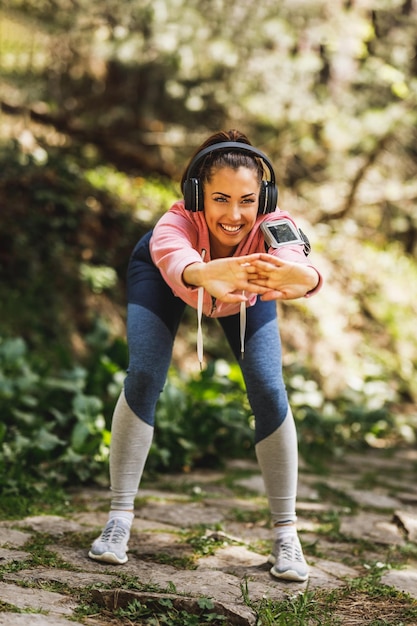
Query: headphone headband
[(193, 190), (235, 146)]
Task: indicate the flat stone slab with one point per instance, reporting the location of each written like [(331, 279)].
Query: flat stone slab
[(182, 515), (402, 461), (333, 569), (8, 556), (408, 520), (253, 483), (405, 580), (235, 615), (372, 527), (11, 538), (97, 520), (51, 524), (34, 619), (75, 580), (36, 599), (374, 499), (231, 559)]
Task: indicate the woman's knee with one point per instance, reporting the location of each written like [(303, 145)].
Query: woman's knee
[(142, 390)]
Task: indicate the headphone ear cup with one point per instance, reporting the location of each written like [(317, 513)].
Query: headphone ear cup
[(272, 201), (193, 195), (268, 197), (262, 198)]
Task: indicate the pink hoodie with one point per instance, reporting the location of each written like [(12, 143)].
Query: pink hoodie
[(179, 239)]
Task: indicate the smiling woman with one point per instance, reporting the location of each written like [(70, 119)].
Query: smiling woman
[(209, 251)]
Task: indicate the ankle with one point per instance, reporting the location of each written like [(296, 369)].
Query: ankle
[(285, 529), (126, 516)]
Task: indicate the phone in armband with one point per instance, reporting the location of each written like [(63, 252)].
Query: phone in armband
[(283, 232)]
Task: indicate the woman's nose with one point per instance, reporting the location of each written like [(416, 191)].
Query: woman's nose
[(235, 211)]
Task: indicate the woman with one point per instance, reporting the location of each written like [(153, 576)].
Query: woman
[(209, 251)]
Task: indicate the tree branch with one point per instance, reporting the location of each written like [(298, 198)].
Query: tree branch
[(359, 176), (126, 154)]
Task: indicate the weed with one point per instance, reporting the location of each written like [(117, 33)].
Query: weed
[(41, 555), (18, 502), (5, 607), (298, 610), (364, 598), (182, 562), (207, 543), (165, 613), (131, 582)]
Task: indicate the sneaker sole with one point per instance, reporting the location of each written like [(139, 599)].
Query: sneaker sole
[(107, 557), (290, 574)]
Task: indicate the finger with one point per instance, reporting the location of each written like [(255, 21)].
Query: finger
[(256, 288), (273, 295), (268, 265), (285, 294), (263, 256), (251, 258), (233, 297), (262, 281)]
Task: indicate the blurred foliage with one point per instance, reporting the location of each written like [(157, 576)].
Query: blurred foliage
[(66, 235), (102, 104), (54, 429), (51, 429), (202, 420)]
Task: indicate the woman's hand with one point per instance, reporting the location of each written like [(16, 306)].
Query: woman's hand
[(226, 279), (283, 280)]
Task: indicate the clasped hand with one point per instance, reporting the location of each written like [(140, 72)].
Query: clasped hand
[(232, 279), (282, 280)]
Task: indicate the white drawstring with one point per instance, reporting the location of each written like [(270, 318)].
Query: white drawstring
[(242, 328), (200, 297)]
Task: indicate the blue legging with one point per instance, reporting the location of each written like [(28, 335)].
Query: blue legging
[(154, 314)]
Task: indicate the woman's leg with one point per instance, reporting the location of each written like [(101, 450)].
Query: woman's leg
[(150, 348), (153, 317), (275, 434)]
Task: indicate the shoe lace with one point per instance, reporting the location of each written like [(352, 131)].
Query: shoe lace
[(290, 550), (114, 533)]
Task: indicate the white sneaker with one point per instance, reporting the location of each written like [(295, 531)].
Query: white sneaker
[(288, 559), (111, 546)]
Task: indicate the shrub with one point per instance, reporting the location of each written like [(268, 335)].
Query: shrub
[(51, 429)]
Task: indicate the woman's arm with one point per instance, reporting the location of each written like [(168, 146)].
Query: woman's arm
[(284, 280)]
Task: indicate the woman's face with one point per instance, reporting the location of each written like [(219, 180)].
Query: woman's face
[(231, 199)]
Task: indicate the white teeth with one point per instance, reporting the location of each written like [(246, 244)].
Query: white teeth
[(231, 229)]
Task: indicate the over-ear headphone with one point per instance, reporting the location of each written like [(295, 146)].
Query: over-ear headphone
[(193, 189)]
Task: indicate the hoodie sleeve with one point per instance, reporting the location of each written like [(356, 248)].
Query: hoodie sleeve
[(293, 253), (175, 243)]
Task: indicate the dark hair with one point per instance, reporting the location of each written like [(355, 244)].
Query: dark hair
[(218, 159)]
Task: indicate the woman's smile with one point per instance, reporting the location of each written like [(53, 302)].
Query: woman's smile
[(231, 229)]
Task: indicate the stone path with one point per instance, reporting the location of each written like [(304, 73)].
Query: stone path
[(374, 498)]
